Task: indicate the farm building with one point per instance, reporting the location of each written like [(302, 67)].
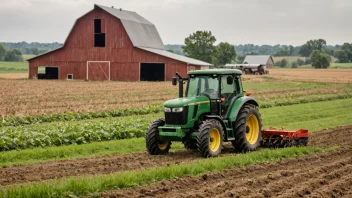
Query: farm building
[(112, 44), (263, 60)]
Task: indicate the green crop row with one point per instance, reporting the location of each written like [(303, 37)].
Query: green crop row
[(69, 133), (19, 121)]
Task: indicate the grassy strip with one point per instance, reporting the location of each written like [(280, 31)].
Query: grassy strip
[(312, 116), (37, 155), (92, 185)]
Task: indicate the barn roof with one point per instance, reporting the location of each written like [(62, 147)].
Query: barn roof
[(257, 59), (181, 58), (141, 31)]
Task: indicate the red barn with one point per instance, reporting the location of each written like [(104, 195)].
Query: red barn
[(112, 44)]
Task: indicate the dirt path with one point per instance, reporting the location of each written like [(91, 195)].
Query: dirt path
[(135, 161), (323, 175)]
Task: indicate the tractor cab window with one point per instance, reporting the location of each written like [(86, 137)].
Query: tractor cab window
[(203, 86), (228, 91)]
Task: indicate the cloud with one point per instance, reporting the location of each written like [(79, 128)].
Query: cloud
[(235, 21)]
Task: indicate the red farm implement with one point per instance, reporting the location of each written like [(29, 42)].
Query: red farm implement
[(279, 138)]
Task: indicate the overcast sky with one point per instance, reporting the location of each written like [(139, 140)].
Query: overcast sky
[(235, 21)]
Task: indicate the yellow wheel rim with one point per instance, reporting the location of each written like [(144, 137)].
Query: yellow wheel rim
[(163, 145), (214, 140), (252, 129)]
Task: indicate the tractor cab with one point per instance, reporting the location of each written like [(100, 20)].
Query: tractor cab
[(207, 114), (218, 87)]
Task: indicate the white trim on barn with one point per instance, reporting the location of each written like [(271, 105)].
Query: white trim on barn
[(98, 62)]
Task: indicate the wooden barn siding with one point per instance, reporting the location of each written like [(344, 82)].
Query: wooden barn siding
[(124, 57)]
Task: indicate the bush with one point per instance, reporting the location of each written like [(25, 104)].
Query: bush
[(307, 61), (284, 63), (294, 64), (320, 59), (300, 62)]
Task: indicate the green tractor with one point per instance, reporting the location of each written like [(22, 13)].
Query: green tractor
[(214, 110)]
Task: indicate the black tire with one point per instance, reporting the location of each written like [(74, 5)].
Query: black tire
[(153, 143), (190, 144), (241, 142), (208, 144)]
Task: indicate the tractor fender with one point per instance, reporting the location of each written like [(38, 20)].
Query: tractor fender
[(218, 118), (237, 105)]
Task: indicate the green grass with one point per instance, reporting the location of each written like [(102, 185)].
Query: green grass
[(36, 155), (333, 66), (13, 67), (28, 56), (93, 185), (312, 116)]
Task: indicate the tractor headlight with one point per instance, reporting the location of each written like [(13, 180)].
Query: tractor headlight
[(176, 110), (167, 109)]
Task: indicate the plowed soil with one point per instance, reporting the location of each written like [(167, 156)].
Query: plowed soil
[(324, 175), (335, 162)]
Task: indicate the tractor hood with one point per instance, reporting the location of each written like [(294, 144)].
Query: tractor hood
[(180, 102)]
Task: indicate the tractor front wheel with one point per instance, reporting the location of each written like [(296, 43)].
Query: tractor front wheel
[(154, 144), (210, 138), (248, 129)]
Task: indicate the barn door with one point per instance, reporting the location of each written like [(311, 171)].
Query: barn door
[(98, 70)]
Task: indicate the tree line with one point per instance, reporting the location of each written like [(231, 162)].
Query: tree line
[(200, 45), (14, 55), (34, 48)]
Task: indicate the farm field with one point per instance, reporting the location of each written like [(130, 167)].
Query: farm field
[(76, 138), (51, 97), (13, 67), (334, 66)]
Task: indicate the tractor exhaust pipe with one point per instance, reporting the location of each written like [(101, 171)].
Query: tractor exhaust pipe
[(180, 84)]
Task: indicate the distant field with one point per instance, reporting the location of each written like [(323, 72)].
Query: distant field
[(27, 56), (334, 66), (289, 58), (13, 67)]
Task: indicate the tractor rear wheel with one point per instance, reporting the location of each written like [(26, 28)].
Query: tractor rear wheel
[(154, 144), (248, 129), (210, 138)]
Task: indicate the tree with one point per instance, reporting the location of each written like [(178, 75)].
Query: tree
[(240, 59), (2, 52), (225, 53), (282, 52), (253, 53), (300, 62), (316, 44), (170, 50), (341, 55), (320, 59), (284, 63), (13, 56), (290, 50), (200, 45), (294, 64), (311, 45), (348, 48), (305, 50)]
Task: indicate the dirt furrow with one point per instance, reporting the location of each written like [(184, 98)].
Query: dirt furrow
[(322, 175), (307, 176), (104, 165)]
